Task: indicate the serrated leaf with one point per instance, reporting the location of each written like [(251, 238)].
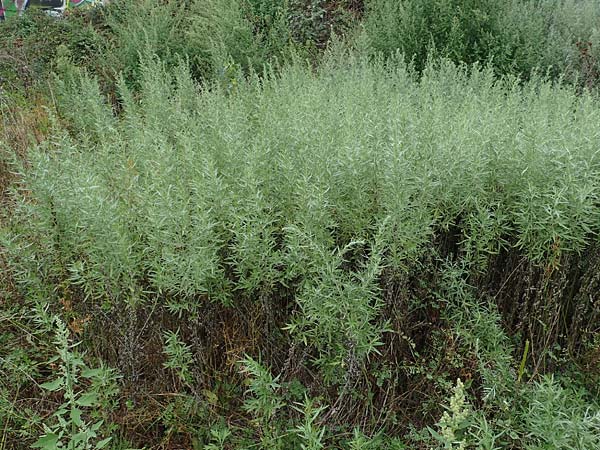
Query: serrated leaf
[(76, 417), (88, 399), (47, 442), (53, 385), (211, 397)]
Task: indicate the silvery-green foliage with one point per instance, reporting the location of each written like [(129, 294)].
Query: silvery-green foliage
[(338, 310), (555, 416), (179, 356), (310, 433), (263, 401), (307, 182)]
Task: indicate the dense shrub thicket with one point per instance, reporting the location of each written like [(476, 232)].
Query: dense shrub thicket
[(364, 242), (307, 224), (517, 37)]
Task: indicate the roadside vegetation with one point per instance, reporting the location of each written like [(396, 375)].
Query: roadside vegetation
[(301, 225)]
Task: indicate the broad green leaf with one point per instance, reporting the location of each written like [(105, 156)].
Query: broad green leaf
[(53, 385), (87, 399), (47, 442), (76, 416), (83, 436), (91, 373)]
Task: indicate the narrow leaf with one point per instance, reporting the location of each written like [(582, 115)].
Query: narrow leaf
[(103, 442)]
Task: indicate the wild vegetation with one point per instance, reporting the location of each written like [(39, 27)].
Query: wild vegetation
[(301, 225)]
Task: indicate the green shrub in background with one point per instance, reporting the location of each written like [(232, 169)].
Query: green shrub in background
[(453, 29), (516, 36), (28, 46), (214, 36), (223, 39), (241, 36), (139, 28)]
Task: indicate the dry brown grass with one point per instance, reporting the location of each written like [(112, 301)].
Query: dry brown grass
[(20, 128)]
